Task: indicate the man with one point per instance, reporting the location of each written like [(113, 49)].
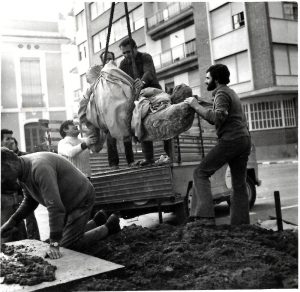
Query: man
[(76, 150), (68, 195), (146, 78), (11, 198), (233, 147), (112, 150)]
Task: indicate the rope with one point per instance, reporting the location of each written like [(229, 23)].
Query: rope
[(109, 30), (134, 69)]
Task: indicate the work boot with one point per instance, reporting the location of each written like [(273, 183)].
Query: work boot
[(145, 162), (113, 224), (100, 217)]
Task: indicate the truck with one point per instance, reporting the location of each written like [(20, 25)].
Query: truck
[(165, 188)]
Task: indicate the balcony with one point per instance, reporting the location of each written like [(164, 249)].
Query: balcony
[(173, 18), (176, 60)]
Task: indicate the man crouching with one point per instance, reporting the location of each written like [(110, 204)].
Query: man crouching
[(51, 180)]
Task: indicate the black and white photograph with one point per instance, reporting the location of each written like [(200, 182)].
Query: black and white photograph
[(149, 146)]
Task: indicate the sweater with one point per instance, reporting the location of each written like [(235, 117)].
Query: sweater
[(53, 181), (227, 114), (70, 147)]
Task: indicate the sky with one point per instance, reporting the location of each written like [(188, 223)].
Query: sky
[(34, 9)]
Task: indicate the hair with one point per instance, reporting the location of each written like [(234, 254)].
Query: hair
[(93, 73), (220, 73), (103, 54), (127, 42), (5, 131), (8, 156), (64, 126)]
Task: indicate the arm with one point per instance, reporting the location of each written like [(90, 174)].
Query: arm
[(149, 69), (216, 116), (46, 179), (65, 148)]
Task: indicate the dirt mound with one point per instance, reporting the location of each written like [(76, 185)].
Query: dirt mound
[(196, 257)]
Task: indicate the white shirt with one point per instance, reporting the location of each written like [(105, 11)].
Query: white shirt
[(70, 147)]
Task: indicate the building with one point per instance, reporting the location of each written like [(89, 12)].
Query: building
[(34, 78), (256, 40)]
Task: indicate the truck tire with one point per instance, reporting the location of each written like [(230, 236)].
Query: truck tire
[(180, 211), (251, 190)]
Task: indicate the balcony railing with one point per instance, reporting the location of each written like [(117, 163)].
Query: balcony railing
[(175, 54), (165, 14)]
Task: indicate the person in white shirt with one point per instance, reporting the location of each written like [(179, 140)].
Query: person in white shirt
[(76, 150)]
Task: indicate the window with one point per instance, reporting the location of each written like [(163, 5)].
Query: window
[(270, 114), (99, 40), (31, 83), (34, 137), (238, 20), (82, 51), (286, 59), (138, 19), (290, 10), (83, 83), (238, 66), (97, 8), (80, 21)]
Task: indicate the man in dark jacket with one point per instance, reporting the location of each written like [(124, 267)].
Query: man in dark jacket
[(233, 147), (146, 77), (69, 196)]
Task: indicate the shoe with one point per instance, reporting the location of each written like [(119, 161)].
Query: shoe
[(113, 224), (114, 167), (132, 164), (163, 159), (145, 162), (100, 217)]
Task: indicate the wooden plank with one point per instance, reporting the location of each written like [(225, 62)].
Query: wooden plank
[(70, 267)]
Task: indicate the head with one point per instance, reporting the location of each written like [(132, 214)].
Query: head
[(215, 75), (68, 128), (15, 145), (125, 47), (93, 73), (109, 57), (6, 138), (10, 169)]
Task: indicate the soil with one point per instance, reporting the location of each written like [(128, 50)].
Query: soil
[(17, 267), (194, 256)]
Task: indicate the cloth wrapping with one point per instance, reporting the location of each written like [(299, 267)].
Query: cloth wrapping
[(155, 118), (111, 105)]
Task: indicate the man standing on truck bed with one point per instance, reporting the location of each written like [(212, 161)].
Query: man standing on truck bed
[(68, 195), (146, 78), (233, 147)]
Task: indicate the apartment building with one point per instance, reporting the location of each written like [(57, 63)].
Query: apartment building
[(34, 79), (256, 40)]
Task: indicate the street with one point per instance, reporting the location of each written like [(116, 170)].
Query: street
[(275, 177)]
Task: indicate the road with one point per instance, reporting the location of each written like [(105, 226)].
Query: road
[(275, 177)]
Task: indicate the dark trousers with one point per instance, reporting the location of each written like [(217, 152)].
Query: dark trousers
[(112, 151), (235, 153), (147, 148)]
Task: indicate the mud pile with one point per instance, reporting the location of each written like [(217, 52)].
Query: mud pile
[(17, 267), (196, 257)]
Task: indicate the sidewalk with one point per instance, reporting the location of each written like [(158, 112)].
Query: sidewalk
[(279, 161)]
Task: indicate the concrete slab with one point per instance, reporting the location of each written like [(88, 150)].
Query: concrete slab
[(71, 266)]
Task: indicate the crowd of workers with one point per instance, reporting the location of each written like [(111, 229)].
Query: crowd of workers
[(61, 182)]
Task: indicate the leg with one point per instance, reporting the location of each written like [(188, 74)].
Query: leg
[(168, 147), (128, 152), (239, 207), (112, 150), (202, 200), (147, 148)]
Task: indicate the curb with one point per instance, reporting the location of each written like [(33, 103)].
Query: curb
[(278, 162)]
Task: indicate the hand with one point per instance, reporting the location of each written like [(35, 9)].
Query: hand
[(53, 253), (192, 102), (7, 227), (138, 84), (91, 140)]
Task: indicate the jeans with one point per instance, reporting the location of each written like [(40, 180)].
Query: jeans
[(112, 151), (235, 153)]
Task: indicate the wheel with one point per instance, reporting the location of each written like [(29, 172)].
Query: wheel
[(180, 211), (251, 190)]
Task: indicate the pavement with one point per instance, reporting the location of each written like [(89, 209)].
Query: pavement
[(278, 161)]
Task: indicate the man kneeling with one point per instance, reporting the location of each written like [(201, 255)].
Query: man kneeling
[(51, 180)]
